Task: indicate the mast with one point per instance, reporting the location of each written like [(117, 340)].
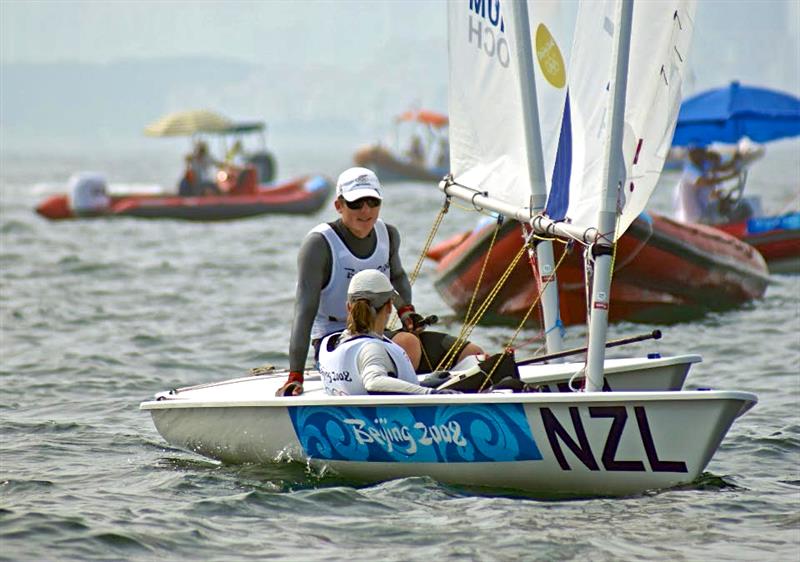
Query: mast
[(535, 173), (614, 176)]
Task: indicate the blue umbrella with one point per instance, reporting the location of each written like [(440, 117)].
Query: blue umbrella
[(730, 113)]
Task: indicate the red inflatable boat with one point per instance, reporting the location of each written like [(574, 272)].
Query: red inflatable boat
[(237, 196), (664, 271)]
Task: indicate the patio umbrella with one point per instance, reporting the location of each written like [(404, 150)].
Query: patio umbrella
[(184, 123), (728, 114)]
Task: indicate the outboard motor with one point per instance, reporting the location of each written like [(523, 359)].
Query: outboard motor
[(265, 165), (88, 193)]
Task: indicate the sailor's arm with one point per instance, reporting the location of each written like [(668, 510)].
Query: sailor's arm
[(397, 274), (374, 365), (723, 172), (313, 273)]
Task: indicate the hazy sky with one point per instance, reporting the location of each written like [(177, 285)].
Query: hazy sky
[(754, 41), (253, 31)]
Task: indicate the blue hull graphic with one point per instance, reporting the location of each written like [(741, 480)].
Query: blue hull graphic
[(427, 434)]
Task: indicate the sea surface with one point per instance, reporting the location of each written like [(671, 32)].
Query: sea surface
[(98, 315)]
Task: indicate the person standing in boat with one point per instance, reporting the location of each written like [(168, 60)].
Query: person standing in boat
[(330, 255), (697, 191), (198, 179), (416, 152), (361, 360), (236, 156)]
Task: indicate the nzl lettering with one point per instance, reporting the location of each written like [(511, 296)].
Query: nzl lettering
[(556, 434)]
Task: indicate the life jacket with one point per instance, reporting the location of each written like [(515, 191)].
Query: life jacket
[(338, 364), (332, 312)]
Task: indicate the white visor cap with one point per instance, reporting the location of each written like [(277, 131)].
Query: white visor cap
[(371, 285), (356, 183)]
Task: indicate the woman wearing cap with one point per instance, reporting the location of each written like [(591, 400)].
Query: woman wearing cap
[(331, 254), (361, 360)]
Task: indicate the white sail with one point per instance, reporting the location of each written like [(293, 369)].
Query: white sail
[(659, 44), (487, 135)]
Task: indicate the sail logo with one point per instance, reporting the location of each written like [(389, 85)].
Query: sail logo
[(486, 30), (551, 62), (420, 434)]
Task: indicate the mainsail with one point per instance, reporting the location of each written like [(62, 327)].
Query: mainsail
[(487, 134), (510, 164)]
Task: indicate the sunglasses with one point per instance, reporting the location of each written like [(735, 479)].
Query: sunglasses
[(371, 202)]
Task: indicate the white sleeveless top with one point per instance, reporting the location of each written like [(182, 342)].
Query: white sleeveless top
[(339, 368), (332, 312)]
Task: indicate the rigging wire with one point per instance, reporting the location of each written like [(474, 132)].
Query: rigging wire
[(437, 222), (449, 357), (509, 346), (470, 323)]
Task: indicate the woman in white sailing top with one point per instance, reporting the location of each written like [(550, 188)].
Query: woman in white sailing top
[(360, 360)]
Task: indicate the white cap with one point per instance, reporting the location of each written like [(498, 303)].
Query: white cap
[(372, 285), (356, 183)]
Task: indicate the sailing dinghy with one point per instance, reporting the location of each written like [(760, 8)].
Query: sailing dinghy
[(589, 443), (548, 444)]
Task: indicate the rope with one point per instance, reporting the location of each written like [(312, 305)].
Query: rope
[(446, 361), (431, 235), (483, 268), (434, 229), (471, 322), (533, 305), (532, 260), (536, 301)]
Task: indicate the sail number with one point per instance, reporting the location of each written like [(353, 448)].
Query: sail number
[(559, 437)]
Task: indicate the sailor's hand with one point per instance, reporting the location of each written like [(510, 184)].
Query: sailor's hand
[(412, 321), (293, 386)]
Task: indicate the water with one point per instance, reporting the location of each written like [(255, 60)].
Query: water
[(99, 315)]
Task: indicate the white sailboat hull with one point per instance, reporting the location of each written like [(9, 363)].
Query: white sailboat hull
[(547, 443)]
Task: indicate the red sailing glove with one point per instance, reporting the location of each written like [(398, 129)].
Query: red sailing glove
[(293, 385)]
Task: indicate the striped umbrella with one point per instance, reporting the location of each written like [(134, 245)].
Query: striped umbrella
[(184, 123)]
